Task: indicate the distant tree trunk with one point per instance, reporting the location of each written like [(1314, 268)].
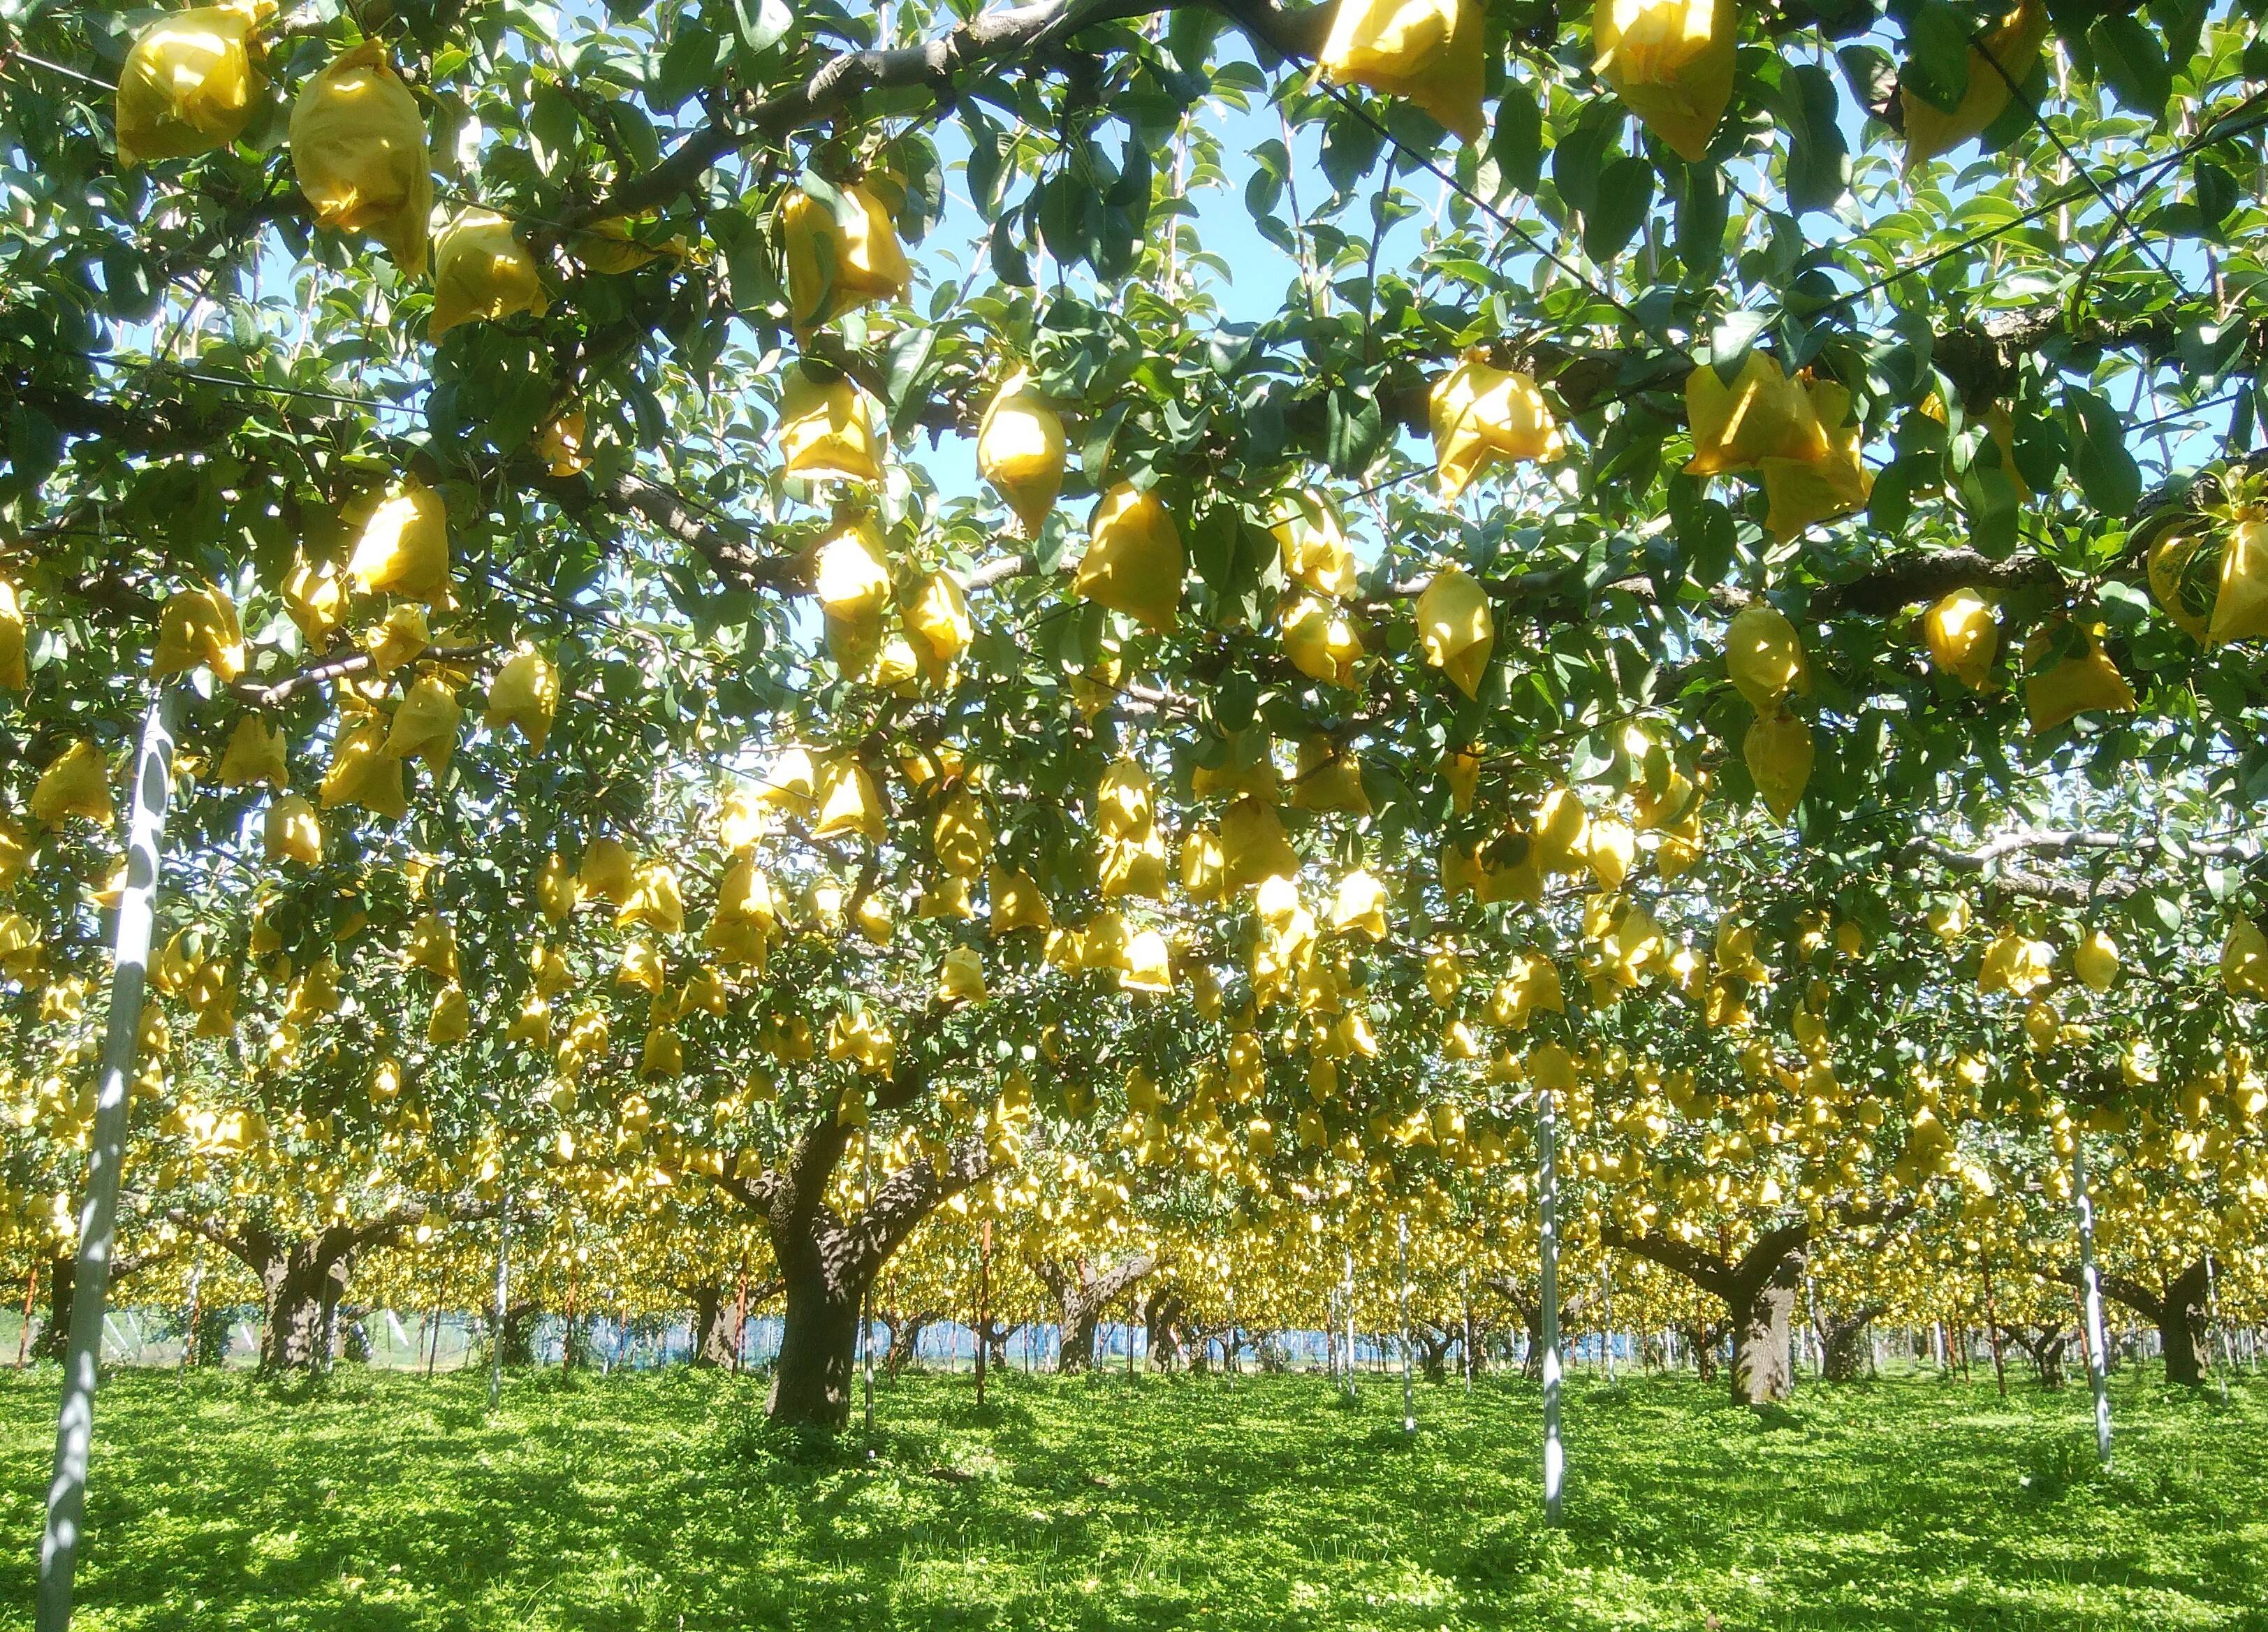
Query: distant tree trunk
[(1842, 1342), (1528, 1306), (826, 1262), (1082, 1292), (1701, 1342), (1163, 1319), (995, 1343), (712, 1326), (2178, 1313), (303, 1282), (62, 1272), (519, 1337), (2045, 1347), (905, 1336), (1434, 1347), (1758, 1289)]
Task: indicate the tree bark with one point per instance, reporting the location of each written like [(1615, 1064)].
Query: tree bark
[(712, 1326), (812, 1379), (1846, 1354), (62, 1273), (302, 1281), (1434, 1347), (1528, 1306), (1763, 1361), (1167, 1341), (1758, 1290), (826, 1262), (2181, 1319), (2045, 1347), (1082, 1292), (905, 1330), (519, 1335), (2179, 1314)]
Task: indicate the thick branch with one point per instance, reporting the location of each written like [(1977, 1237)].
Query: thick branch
[(1706, 1270), (841, 80)]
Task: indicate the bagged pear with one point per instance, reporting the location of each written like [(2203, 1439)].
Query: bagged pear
[(481, 272), (358, 149), (1432, 52), (190, 82), (1020, 450), (1671, 62), (1134, 562)]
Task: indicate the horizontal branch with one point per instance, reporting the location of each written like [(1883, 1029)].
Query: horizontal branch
[(274, 694)]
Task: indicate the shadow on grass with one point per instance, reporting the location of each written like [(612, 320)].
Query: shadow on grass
[(388, 1503)]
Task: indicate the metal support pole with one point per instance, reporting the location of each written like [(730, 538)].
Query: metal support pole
[(503, 1287), (866, 1299), (1346, 1301), (2212, 1319), (97, 1217), (1547, 1143), (1465, 1291), (1401, 1304), (1607, 1319), (983, 1304), (189, 1334), (2091, 1287)]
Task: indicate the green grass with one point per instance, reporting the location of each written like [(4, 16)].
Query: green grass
[(663, 1502)]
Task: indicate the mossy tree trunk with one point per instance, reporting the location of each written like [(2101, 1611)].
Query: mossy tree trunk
[(827, 1262), (1082, 1292)]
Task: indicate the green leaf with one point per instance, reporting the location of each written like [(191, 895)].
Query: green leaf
[(1353, 430), (907, 372), (2132, 63), (1517, 142), (1009, 262), (2107, 472), (1937, 54), (1702, 207), (1625, 193), (1818, 159), (761, 23), (552, 131), (690, 63)]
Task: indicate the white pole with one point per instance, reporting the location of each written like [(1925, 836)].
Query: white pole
[(1402, 1304), (97, 1217), (2212, 1319), (2091, 1284), (1465, 1290), (866, 1299), (1346, 1303), (1607, 1319), (1555, 1459), (503, 1285)]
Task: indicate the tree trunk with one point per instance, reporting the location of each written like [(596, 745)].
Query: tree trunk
[(819, 1340), (62, 1274), (1433, 1355), (1846, 1354), (1083, 1294), (1763, 1369), (2182, 1327), (905, 1337), (299, 1291), (520, 1322), (1162, 1319), (712, 1327)]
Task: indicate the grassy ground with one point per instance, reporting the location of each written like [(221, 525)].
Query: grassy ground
[(661, 1502)]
